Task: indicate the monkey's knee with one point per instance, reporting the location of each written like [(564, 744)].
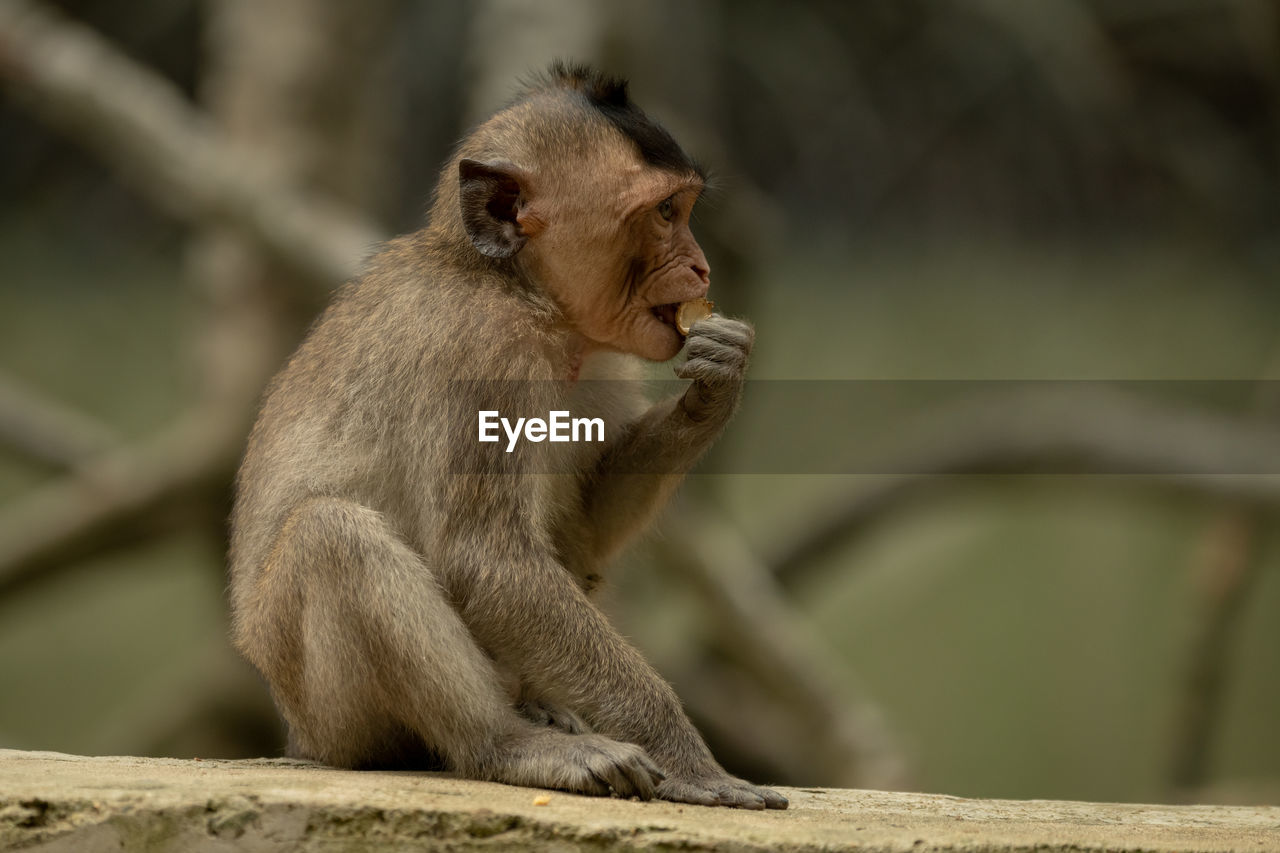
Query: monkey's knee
[(373, 645), (310, 624), (334, 538), (321, 545)]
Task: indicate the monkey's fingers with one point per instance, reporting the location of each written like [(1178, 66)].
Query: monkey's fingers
[(726, 368), (610, 781), (629, 779), (624, 768), (718, 353), (644, 776), (591, 783), (706, 346), (649, 776), (725, 330)]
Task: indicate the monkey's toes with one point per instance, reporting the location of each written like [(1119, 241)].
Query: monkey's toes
[(724, 791), (772, 799), (677, 791)]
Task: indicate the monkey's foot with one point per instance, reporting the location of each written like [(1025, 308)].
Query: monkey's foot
[(720, 790), (543, 713), (583, 764)]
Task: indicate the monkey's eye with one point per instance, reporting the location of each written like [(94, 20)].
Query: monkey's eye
[(666, 209)]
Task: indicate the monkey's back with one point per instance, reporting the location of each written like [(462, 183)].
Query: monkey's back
[(367, 408)]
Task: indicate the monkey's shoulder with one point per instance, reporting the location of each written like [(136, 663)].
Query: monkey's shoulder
[(439, 323)]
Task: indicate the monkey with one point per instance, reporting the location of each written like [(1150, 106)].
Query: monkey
[(416, 598)]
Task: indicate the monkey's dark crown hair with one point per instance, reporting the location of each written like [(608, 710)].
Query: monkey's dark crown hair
[(609, 96)]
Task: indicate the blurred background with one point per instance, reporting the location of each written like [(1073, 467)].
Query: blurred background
[(1061, 586)]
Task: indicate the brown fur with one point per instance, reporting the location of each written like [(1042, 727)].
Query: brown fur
[(417, 598)]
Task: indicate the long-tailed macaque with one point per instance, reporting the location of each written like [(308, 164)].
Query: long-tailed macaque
[(417, 597)]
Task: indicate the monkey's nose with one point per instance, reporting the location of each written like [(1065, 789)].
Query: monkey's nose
[(702, 272)]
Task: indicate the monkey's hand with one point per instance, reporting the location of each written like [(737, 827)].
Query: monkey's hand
[(717, 350), (719, 789)]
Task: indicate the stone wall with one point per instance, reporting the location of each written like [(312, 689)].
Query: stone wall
[(54, 802)]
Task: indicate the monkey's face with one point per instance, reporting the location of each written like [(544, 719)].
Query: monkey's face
[(634, 260)]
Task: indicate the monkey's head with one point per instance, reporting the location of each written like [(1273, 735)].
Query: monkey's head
[(589, 200)]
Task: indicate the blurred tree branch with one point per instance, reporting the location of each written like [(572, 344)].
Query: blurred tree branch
[(732, 707), (770, 640), (1068, 44), (1150, 443), (508, 39), (1222, 574), (44, 429), (56, 519), (143, 126)]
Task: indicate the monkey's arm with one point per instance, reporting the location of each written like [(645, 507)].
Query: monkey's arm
[(647, 461), (528, 613)]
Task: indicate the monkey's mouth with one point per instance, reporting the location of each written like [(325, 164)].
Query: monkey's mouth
[(666, 313)]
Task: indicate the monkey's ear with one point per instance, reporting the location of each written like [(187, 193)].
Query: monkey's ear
[(492, 195)]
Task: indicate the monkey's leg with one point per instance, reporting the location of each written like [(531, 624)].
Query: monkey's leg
[(359, 642)]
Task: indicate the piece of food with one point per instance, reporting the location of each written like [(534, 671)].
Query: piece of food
[(542, 800), (691, 312)]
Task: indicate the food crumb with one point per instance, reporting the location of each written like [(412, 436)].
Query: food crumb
[(691, 312), (542, 800)]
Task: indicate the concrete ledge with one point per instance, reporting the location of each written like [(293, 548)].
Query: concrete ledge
[(54, 802)]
